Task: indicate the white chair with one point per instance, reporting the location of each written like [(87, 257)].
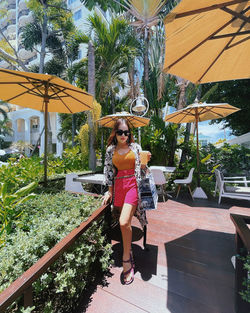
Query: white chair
[(160, 180), (73, 186), (186, 181), (231, 178), (233, 192)]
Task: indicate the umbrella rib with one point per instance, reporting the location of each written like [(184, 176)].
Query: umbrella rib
[(138, 120), (187, 112), (201, 43), (130, 120), (38, 92), (210, 8), (68, 95), (19, 95), (184, 114), (210, 109), (219, 55), (238, 43), (19, 75), (52, 87), (14, 83), (237, 14), (41, 80), (231, 34), (31, 80), (71, 89), (104, 124), (55, 94)]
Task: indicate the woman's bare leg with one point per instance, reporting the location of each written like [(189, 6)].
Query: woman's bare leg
[(127, 213)]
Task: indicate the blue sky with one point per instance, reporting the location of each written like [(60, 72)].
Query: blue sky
[(215, 131)]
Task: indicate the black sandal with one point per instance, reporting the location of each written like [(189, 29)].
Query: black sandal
[(131, 270)]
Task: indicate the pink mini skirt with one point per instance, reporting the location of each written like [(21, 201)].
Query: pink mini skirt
[(125, 188)]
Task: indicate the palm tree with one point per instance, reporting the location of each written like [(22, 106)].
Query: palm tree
[(146, 16), (115, 46)]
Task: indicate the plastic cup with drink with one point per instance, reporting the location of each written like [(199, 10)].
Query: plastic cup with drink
[(144, 156)]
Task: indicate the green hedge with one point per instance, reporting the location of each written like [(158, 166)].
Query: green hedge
[(46, 220)]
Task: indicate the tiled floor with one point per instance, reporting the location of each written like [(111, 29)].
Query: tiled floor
[(187, 269)]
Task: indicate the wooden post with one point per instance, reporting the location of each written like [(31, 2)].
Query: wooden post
[(28, 297)]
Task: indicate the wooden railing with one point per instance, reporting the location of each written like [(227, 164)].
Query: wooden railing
[(242, 238), (23, 285)]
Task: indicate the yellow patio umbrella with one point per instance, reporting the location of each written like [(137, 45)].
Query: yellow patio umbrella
[(45, 93), (195, 113), (208, 40), (133, 120)]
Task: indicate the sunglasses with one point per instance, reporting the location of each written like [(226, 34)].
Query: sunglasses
[(120, 132)]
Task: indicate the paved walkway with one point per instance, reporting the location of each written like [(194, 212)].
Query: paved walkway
[(187, 269)]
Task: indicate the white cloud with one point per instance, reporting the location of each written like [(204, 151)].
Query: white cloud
[(214, 131)]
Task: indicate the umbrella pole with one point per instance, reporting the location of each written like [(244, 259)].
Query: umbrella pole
[(46, 101), (198, 192), (197, 150)]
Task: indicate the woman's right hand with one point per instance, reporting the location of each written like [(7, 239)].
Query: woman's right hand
[(106, 198)]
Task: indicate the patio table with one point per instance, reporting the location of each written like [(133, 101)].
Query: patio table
[(165, 169), (95, 179)]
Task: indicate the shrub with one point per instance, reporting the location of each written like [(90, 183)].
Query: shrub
[(45, 221), (245, 294), (9, 207), (19, 173)]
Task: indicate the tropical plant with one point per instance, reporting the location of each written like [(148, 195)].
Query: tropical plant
[(45, 221), (236, 93), (9, 210), (65, 132), (48, 33), (245, 293), (110, 47)]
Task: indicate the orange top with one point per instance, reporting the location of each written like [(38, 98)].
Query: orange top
[(125, 161)]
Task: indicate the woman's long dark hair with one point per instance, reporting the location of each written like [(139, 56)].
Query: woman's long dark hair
[(112, 138)]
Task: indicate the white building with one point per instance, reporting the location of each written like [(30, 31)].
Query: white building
[(28, 124), (243, 140)]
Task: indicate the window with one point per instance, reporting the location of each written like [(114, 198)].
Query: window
[(79, 54), (77, 15), (71, 1)]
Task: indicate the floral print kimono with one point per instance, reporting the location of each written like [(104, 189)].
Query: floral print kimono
[(110, 172)]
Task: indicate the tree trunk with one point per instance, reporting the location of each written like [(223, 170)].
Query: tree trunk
[(73, 126), (182, 83), (112, 102), (146, 61), (131, 75), (91, 90), (185, 150), (44, 38)]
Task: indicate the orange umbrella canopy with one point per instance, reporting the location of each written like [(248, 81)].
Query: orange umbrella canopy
[(45, 93), (133, 120), (208, 40), (198, 112), (32, 89)]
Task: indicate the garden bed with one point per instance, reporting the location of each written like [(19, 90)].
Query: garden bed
[(45, 221)]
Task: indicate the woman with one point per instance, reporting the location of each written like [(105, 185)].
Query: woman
[(122, 173)]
